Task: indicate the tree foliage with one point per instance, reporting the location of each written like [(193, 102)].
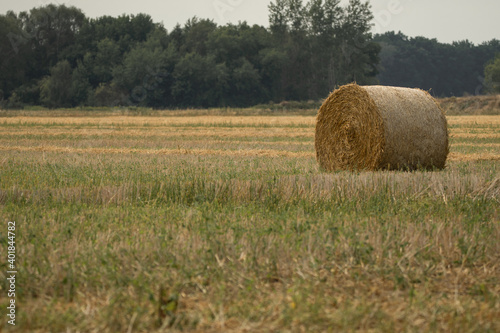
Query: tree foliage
[(56, 89), (444, 69), (492, 75), (56, 57)]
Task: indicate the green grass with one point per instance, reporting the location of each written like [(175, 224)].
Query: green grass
[(264, 244), (117, 243), (262, 110)]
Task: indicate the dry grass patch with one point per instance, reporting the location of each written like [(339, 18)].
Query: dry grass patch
[(179, 151), (479, 120), (171, 132), (165, 121), (474, 157), (475, 135)]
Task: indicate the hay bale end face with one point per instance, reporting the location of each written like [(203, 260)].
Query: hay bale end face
[(378, 127)]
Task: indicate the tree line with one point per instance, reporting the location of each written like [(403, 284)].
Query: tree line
[(57, 57), (455, 69)]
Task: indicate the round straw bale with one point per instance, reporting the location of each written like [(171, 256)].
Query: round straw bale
[(378, 127)]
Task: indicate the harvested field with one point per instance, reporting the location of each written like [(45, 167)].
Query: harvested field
[(474, 120), (474, 157), (230, 121), (476, 135), (246, 152), (209, 224)]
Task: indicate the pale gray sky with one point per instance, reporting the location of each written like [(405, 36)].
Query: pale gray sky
[(446, 20)]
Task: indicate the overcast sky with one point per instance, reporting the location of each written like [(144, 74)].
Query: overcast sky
[(446, 20)]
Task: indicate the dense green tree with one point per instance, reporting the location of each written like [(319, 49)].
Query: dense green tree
[(289, 26), (196, 35), (125, 30), (492, 75), (95, 69), (144, 76), (358, 55), (324, 22), (56, 89), (50, 30), (444, 69), (82, 91), (55, 56), (199, 81), (326, 45), (16, 56), (108, 55), (278, 18), (245, 87), (130, 60), (237, 49), (273, 62)]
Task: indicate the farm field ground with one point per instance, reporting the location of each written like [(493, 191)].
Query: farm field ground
[(226, 223)]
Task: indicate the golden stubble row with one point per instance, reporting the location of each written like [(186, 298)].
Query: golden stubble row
[(214, 152), (211, 120), (223, 132)]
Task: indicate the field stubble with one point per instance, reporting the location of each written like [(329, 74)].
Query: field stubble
[(127, 225)]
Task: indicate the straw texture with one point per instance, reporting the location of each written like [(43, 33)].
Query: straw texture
[(377, 127)]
